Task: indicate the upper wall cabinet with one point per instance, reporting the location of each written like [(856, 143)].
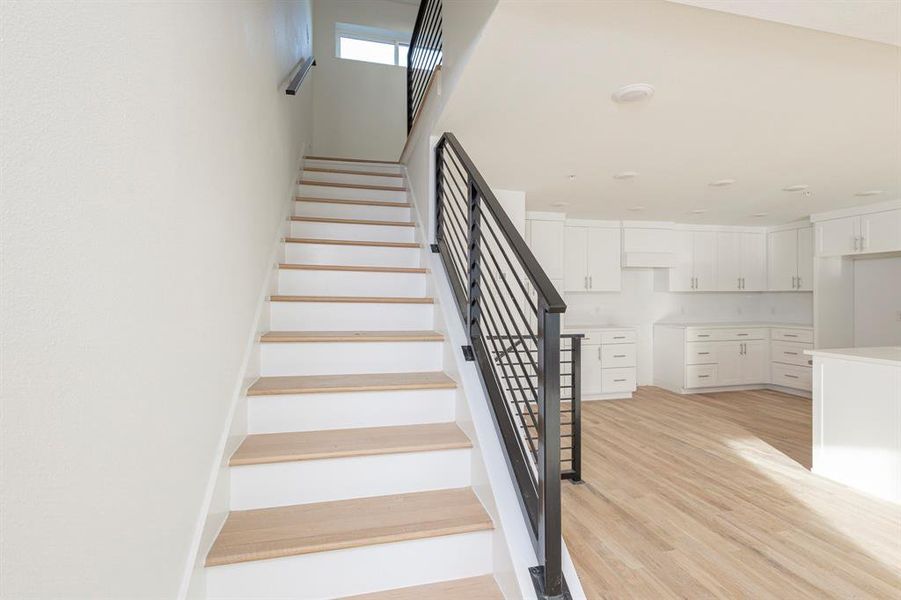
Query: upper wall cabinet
[(869, 233), (591, 259), (546, 241), (740, 261), (695, 269), (790, 260)]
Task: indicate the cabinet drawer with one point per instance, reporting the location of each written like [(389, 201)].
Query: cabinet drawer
[(617, 355), (700, 335), (617, 380), (792, 335), (617, 337), (700, 353), (789, 352), (700, 376), (800, 378), (743, 334)]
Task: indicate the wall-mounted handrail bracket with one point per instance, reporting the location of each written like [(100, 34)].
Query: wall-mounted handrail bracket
[(306, 65)]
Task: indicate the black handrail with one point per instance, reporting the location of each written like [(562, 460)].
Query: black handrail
[(511, 313), (423, 56), (301, 74)]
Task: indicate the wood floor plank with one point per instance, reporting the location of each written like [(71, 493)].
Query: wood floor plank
[(352, 299), (352, 201), (311, 384), (340, 443), (293, 240), (276, 337), (301, 529), (472, 588), (708, 496), (361, 268)]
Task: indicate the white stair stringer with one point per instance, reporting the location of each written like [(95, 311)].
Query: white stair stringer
[(338, 573)]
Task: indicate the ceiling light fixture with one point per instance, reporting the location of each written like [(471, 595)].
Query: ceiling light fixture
[(634, 92), (636, 208), (559, 203), (625, 175), (796, 188), (760, 214), (698, 211), (721, 182), (869, 193)]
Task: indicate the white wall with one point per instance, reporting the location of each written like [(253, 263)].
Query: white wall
[(147, 152), (877, 302), (361, 108), (640, 305)]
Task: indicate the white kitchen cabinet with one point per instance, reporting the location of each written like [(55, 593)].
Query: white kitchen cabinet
[(790, 260), (740, 261), (868, 233), (592, 259), (609, 359), (546, 242), (695, 262)]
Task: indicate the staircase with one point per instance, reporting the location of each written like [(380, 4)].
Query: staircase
[(354, 477)]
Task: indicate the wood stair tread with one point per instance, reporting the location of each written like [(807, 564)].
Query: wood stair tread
[(352, 201), (366, 382), (266, 448), (323, 526), (350, 336), (363, 268), (471, 588), (354, 221), (293, 240), (352, 299), (353, 186), (361, 160), (352, 172)]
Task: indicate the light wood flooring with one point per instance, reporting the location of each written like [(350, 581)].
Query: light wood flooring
[(709, 496)]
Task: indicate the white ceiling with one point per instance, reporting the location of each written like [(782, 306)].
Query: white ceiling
[(762, 103), (874, 20)]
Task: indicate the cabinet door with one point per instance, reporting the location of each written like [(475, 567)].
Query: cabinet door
[(755, 365), (575, 259), (591, 370), (604, 262), (837, 237), (704, 259), (782, 256), (681, 276), (753, 262), (805, 259), (728, 261), (546, 242), (729, 363), (881, 231)]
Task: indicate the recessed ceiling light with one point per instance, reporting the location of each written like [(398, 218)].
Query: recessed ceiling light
[(721, 182), (625, 175), (636, 208), (634, 92), (869, 193), (559, 203), (795, 188), (760, 214), (571, 177), (698, 211)]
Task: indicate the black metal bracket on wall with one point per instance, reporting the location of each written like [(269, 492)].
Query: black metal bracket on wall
[(468, 354), (537, 574)]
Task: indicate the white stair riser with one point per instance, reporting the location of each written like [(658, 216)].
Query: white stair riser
[(364, 256), (343, 231), (307, 481), (349, 316), (326, 191), (351, 211), (347, 410), (353, 166), (337, 358), (354, 570), (351, 283), (386, 179)]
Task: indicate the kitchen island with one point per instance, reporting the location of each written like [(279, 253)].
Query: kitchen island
[(857, 418)]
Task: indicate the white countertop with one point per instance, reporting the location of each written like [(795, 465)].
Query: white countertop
[(730, 324), (885, 355)]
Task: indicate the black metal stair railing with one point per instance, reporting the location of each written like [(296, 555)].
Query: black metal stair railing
[(424, 56), (511, 313)]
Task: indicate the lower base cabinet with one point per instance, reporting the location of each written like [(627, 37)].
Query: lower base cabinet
[(609, 359), (693, 358)]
